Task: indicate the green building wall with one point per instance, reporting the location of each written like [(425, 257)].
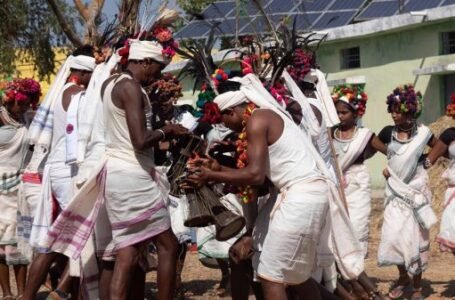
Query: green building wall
[(388, 60)]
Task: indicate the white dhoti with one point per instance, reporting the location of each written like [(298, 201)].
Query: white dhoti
[(358, 197), (134, 203), (289, 251)]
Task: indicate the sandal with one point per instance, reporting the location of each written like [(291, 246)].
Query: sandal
[(18, 297), (398, 289), (419, 295), (10, 297)]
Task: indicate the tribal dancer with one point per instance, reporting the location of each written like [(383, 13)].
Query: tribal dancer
[(16, 98), (354, 145), (277, 147), (408, 215), (446, 146), (54, 133), (130, 162), (314, 111), (164, 95)]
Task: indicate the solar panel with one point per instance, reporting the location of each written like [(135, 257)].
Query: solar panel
[(378, 10), (414, 5), (280, 6), (334, 19), (448, 2), (228, 26), (193, 30), (347, 4), (313, 5), (218, 10), (305, 21)]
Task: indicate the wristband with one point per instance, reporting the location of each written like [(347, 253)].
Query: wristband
[(162, 132)]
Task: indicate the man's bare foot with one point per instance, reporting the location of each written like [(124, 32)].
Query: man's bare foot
[(398, 287), (224, 288)]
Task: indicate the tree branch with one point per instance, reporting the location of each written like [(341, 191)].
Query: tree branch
[(82, 9), (93, 11), (66, 28)]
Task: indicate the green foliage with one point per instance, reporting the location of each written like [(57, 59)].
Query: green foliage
[(29, 34)]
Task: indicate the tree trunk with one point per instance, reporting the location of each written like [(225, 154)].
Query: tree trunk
[(66, 28), (92, 13)]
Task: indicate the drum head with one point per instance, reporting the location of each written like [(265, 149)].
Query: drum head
[(199, 221), (224, 233)]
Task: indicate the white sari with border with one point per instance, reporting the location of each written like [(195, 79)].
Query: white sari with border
[(357, 182), (403, 241)]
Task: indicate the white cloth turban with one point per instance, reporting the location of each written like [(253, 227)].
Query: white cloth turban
[(316, 77), (140, 50), (82, 62)]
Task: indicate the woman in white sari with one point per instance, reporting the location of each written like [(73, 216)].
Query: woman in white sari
[(15, 101), (407, 215), (353, 145), (446, 146)]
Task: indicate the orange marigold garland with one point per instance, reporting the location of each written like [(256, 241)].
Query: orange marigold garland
[(245, 193)]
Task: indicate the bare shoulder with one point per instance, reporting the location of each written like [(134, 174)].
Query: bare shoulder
[(126, 86), (263, 119), (73, 90)]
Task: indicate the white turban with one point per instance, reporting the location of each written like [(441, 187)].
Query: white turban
[(230, 99), (140, 50), (316, 77), (251, 90), (82, 62)]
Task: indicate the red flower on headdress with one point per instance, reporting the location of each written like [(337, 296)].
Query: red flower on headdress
[(212, 113), (162, 34)]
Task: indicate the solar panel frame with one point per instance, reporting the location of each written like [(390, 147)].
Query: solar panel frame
[(194, 29), (219, 10), (280, 6), (334, 19), (416, 5), (346, 4), (314, 6), (378, 9)]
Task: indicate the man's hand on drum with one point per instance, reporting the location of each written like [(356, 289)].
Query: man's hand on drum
[(174, 130), (242, 249)]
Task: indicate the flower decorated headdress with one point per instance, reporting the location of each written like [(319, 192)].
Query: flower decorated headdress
[(154, 32), (302, 64), (21, 89), (407, 99), (168, 87), (451, 107), (354, 95)]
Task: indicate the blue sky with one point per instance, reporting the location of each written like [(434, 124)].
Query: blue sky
[(110, 6)]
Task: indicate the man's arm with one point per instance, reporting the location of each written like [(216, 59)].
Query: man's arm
[(254, 173), (131, 99)]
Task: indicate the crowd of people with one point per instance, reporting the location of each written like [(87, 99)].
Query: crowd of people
[(86, 190)]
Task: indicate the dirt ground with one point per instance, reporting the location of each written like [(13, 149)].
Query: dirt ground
[(438, 281)]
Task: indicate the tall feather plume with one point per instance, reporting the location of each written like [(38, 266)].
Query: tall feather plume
[(200, 65)]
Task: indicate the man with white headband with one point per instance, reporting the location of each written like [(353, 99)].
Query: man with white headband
[(134, 193), (54, 133), (276, 148)]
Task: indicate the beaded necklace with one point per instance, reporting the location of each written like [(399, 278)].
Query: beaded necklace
[(246, 192)]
